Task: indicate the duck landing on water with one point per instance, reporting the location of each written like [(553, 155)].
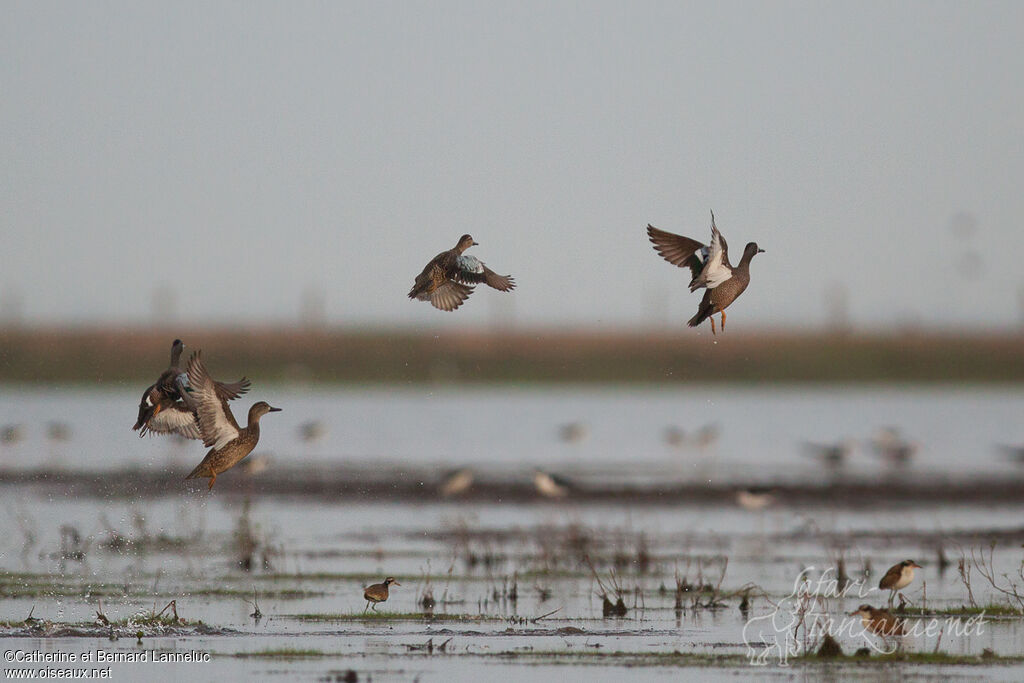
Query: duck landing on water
[(229, 442), (710, 268)]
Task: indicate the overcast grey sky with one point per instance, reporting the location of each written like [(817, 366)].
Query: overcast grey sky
[(242, 153)]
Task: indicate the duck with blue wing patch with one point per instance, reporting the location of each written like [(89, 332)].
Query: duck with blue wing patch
[(448, 280), (167, 406), (710, 268)]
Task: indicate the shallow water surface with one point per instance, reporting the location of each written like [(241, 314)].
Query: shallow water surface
[(517, 586)]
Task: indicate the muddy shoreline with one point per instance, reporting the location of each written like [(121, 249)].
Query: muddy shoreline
[(410, 485)]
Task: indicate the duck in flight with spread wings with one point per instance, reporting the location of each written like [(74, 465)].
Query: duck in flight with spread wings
[(228, 442), (710, 268), (447, 281), (167, 407)]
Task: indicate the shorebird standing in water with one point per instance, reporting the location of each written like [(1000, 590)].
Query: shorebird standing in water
[(898, 577), (706, 436), (755, 498), (457, 482), (550, 485), (58, 431), (675, 436), (12, 434), (832, 455), (710, 268), (893, 448), (378, 592), (230, 443)]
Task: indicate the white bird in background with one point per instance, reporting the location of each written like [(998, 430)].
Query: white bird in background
[(754, 498), (550, 485), (456, 482)]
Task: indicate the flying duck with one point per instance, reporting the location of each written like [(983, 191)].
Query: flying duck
[(446, 282), (710, 268), (230, 443), (167, 407)]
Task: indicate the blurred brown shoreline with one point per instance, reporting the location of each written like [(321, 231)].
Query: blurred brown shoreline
[(347, 483), (370, 356)]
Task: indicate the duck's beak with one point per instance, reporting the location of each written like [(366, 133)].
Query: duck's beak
[(760, 251), (916, 566), (274, 410), (475, 243), (395, 583)]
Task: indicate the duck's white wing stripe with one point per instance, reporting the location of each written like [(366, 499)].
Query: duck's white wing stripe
[(715, 271), (174, 420), (217, 429)]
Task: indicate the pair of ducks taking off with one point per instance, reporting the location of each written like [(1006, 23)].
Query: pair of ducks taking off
[(193, 405), (448, 280)]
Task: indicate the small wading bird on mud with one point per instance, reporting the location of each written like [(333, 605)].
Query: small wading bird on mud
[(898, 577), (551, 485), (378, 592)]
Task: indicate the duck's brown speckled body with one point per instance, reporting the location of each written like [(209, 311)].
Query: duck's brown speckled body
[(230, 443), (710, 268), (447, 281)]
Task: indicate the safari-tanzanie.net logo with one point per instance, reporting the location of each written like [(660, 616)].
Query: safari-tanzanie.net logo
[(801, 621)]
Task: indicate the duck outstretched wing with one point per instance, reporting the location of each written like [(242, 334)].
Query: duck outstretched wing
[(450, 295), (471, 270), (678, 250), (173, 420), (216, 423), (716, 268)]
